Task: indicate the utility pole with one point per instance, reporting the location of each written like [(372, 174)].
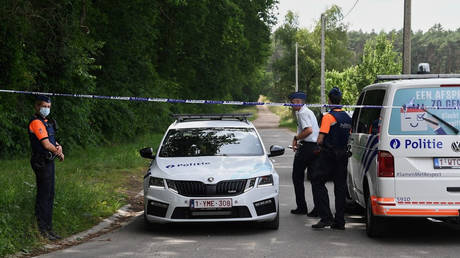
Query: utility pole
[(323, 81), (296, 69), (406, 38)]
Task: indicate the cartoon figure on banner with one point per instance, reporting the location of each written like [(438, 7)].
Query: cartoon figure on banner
[(414, 117)]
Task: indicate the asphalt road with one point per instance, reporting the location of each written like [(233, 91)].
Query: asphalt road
[(295, 237)]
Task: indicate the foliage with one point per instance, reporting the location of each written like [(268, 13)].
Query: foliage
[(167, 48), (90, 185), (379, 58), (282, 62), (437, 46)]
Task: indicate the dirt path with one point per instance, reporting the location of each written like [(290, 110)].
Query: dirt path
[(265, 118)]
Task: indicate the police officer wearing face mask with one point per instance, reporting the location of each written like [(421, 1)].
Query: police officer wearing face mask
[(45, 148), (332, 163), (304, 145)]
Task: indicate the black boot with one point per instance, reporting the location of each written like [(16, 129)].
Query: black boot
[(299, 211), (47, 235), (313, 213), (322, 224), (56, 236)]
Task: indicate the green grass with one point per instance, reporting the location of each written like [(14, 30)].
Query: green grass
[(90, 186)]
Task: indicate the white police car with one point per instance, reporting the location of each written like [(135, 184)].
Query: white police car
[(211, 168), (406, 156)]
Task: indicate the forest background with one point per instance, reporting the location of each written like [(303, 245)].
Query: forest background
[(222, 50)]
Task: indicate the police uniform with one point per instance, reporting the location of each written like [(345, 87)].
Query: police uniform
[(42, 162), (304, 157), (332, 164)]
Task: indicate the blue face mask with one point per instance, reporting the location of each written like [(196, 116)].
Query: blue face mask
[(44, 111)]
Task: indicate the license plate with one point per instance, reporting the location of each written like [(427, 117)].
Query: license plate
[(204, 204), (446, 162)]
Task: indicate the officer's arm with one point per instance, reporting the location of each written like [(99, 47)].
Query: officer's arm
[(320, 139), (50, 147), (305, 133)]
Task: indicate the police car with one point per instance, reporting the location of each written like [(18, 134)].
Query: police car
[(406, 156), (212, 168)]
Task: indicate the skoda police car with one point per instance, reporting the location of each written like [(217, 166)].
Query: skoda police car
[(211, 168), (405, 159)]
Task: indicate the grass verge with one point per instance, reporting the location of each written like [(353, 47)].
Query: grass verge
[(91, 185)]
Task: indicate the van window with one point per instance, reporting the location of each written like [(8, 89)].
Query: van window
[(413, 112), (369, 118), (354, 119)]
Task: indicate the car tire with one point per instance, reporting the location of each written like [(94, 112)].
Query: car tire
[(374, 224), (273, 224), (146, 221)]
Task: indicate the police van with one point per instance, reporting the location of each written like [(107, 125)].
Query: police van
[(405, 159)]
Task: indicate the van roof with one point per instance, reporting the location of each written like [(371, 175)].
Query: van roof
[(415, 83)]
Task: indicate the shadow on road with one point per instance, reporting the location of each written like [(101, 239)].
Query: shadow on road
[(204, 229)]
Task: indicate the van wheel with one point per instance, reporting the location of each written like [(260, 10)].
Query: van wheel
[(374, 224), (274, 224)]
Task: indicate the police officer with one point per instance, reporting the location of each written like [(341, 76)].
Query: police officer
[(45, 149), (332, 163), (304, 144)]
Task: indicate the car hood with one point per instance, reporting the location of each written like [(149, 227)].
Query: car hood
[(219, 168)]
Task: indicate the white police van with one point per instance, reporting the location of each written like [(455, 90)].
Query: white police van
[(405, 158)]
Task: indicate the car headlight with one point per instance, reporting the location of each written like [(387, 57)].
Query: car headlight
[(171, 185), (250, 184), (265, 181), (156, 182)]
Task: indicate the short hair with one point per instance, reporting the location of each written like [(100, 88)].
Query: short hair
[(335, 95)]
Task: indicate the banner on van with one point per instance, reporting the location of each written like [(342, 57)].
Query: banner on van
[(413, 118)]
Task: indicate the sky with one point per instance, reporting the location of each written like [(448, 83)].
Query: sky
[(376, 15)]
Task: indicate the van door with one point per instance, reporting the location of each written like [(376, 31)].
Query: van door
[(353, 161), (366, 137), (425, 144)]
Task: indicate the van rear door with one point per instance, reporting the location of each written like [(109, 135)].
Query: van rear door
[(425, 142)]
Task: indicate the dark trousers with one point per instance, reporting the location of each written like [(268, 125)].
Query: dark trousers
[(44, 175), (304, 158), (332, 165)]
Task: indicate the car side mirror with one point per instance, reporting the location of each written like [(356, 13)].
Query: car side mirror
[(147, 153), (276, 150)]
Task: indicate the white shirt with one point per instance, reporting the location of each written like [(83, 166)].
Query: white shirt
[(306, 118)]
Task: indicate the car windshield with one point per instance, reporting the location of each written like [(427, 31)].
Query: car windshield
[(192, 142), (426, 111)]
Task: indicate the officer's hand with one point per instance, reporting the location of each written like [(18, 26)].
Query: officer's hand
[(294, 145), (61, 156)]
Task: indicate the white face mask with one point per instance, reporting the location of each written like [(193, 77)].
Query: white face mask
[(44, 111)]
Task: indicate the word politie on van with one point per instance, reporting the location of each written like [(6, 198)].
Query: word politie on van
[(417, 144)]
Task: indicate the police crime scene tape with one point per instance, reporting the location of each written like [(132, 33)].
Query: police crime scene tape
[(215, 102)]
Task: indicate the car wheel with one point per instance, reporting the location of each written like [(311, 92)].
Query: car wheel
[(274, 224), (146, 221), (374, 224)]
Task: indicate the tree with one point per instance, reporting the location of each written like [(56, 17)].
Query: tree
[(282, 63), (379, 57)]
